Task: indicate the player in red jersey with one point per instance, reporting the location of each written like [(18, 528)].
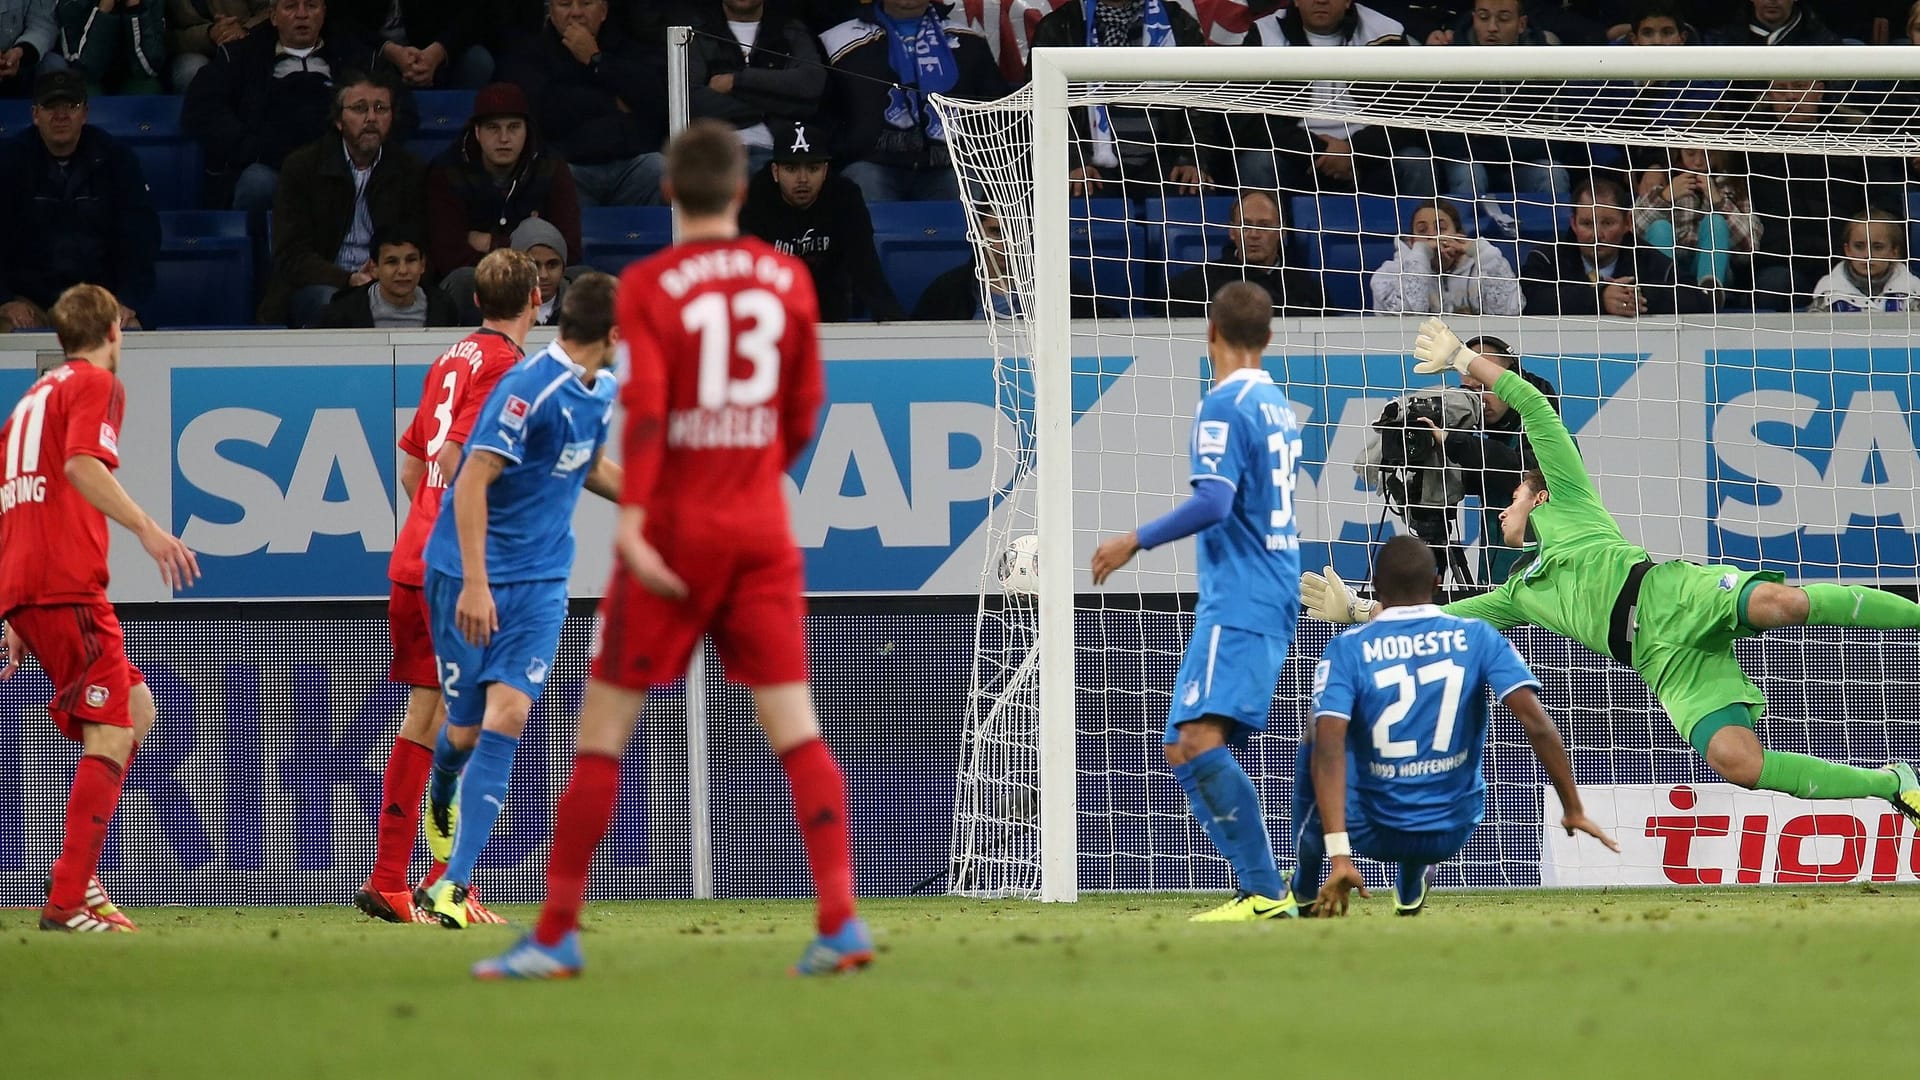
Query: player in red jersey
[(62, 445), (723, 392), (507, 290)]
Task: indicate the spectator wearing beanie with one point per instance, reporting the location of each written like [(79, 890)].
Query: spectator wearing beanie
[(799, 206), (495, 177), (540, 241)]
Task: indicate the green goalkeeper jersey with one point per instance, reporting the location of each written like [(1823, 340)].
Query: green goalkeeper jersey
[(1582, 559)]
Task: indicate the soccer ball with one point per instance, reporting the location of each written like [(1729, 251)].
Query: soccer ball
[(1020, 566)]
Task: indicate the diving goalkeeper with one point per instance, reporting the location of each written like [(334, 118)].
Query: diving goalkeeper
[(1673, 622)]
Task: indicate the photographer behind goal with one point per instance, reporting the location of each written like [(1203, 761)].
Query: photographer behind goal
[(1487, 455)]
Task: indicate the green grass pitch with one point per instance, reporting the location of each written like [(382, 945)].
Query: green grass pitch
[(1638, 985)]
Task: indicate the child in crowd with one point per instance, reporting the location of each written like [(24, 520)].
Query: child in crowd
[(1872, 274), (1697, 212), (1437, 269)]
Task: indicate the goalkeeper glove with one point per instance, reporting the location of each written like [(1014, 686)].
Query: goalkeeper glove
[(1329, 599), (1438, 348)]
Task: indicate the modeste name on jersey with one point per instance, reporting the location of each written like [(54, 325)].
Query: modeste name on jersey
[(721, 265), (1408, 646)]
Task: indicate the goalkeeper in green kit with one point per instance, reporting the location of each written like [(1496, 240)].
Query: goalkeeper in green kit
[(1673, 622)]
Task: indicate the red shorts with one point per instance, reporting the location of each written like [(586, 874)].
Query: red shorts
[(414, 663), (80, 648), (749, 599)]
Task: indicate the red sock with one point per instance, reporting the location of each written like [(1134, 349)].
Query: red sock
[(90, 806), (585, 812), (820, 805), (400, 791)]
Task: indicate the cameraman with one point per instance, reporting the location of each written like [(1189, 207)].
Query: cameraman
[(1491, 459)]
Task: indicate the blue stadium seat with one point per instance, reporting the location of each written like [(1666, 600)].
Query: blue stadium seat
[(1184, 232), (16, 116), (1109, 251), (1345, 238), (204, 276), (617, 235), (917, 242), (443, 116), (1540, 218)]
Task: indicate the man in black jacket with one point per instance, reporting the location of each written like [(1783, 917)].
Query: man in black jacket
[(1256, 252), (600, 98), (964, 293), (886, 61), (73, 209), (796, 205), (334, 194), (394, 299), (425, 43), (264, 95), (1597, 269), (1775, 22), (756, 70)]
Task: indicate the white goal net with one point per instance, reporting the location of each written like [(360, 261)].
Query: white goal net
[(1703, 251)]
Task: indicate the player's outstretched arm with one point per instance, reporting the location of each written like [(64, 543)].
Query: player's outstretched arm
[(96, 484), (1208, 505), (475, 615), (1545, 740), (1329, 769)]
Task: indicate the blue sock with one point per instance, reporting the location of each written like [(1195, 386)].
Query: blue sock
[(448, 760), (482, 795), (1224, 799), (1309, 843)]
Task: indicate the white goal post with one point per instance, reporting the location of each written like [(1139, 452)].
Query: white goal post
[(1027, 140)]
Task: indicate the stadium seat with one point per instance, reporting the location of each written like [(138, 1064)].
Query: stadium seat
[(614, 236), (1345, 238), (1183, 232), (1109, 251), (1540, 219), (917, 242), (443, 116), (204, 277), (16, 115)]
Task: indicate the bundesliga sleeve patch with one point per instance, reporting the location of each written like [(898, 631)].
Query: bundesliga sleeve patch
[(109, 440), (514, 413), (1212, 438)]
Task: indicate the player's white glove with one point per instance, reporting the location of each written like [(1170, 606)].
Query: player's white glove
[(1438, 348), (1329, 599)]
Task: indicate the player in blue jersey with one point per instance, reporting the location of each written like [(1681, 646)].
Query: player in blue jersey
[(498, 563), (1244, 447), (1391, 765)]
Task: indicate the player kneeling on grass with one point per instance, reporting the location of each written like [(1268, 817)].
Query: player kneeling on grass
[(1673, 622), (63, 443), (500, 555), (1245, 443), (1403, 702), (723, 391)]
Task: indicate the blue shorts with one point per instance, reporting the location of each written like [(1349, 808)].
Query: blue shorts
[(520, 654), (1227, 672), (1385, 844)]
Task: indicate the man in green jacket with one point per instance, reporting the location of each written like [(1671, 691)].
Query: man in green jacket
[(1673, 622)]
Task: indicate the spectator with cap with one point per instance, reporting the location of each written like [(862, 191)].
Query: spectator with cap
[(600, 98), (120, 45), (27, 36), (799, 206), (73, 210), (497, 175), (754, 69), (336, 192), (264, 95), (196, 29), (539, 240), (394, 300)]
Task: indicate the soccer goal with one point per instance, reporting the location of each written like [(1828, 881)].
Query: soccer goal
[(1707, 259)]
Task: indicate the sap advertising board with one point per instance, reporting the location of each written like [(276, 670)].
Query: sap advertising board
[(273, 454)]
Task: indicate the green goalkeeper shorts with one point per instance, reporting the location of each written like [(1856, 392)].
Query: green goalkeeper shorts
[(1688, 620)]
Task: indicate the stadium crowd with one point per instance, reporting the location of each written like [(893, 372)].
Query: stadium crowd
[(305, 116)]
